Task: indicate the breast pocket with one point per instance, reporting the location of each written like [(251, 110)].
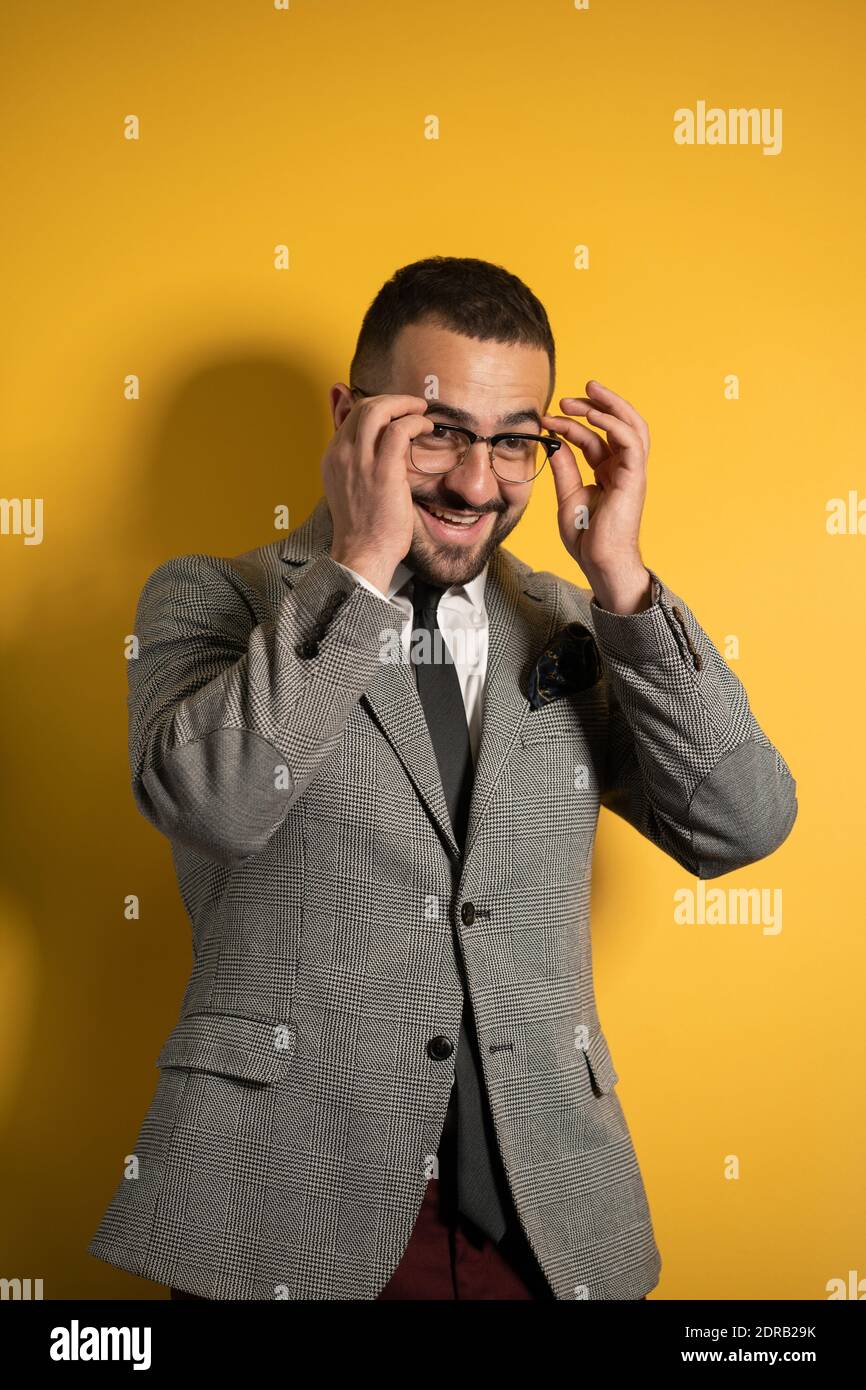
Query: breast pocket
[(579, 715)]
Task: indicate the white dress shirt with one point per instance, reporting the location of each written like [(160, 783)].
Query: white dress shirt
[(462, 620)]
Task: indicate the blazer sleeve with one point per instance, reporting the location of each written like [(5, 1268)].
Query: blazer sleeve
[(230, 717), (687, 763)]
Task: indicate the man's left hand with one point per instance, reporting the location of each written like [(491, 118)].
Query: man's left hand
[(599, 522)]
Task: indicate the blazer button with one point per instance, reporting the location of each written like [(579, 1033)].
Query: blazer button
[(440, 1048), (309, 647), (467, 914), (699, 661)]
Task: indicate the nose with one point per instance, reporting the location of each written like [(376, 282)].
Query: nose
[(474, 480)]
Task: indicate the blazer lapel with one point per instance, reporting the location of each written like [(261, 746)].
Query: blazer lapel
[(521, 612), (392, 696)]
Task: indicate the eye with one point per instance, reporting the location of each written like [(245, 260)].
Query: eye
[(440, 439), (516, 443)]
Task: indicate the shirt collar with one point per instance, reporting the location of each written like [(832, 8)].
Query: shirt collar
[(473, 590)]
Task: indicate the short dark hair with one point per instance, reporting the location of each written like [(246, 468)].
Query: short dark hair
[(465, 295)]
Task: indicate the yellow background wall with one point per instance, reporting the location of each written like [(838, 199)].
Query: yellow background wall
[(155, 257)]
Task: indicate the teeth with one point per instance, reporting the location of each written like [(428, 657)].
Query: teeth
[(451, 516)]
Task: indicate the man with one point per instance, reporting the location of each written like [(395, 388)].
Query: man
[(379, 748)]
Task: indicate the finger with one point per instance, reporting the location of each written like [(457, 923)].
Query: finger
[(567, 477), (371, 414), (606, 399), (594, 449), (624, 435), (393, 444), (588, 497)]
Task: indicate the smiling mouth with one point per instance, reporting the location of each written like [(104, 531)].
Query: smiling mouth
[(456, 521)]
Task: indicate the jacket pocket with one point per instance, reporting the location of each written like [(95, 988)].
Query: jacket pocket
[(253, 1049), (602, 1072), (571, 716)]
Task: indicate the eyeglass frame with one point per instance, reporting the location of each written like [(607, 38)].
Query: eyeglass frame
[(491, 440)]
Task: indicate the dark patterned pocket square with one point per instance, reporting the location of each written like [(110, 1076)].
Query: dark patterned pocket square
[(568, 664)]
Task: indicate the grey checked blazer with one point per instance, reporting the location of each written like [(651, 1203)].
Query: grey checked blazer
[(287, 1148)]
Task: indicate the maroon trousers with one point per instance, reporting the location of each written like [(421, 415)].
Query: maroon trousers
[(446, 1258)]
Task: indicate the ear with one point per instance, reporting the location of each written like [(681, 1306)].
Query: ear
[(341, 400)]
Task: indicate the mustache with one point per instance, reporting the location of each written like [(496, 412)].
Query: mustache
[(453, 502)]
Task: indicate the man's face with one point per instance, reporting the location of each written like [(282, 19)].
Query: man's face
[(495, 387)]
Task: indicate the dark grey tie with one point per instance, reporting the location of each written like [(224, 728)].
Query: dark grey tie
[(479, 1181)]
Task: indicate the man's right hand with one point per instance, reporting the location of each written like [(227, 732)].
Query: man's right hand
[(368, 493)]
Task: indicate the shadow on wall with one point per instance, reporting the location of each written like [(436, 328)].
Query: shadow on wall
[(98, 993)]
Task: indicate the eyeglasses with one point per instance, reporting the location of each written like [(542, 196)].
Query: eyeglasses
[(515, 458)]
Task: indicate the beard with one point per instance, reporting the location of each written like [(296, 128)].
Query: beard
[(437, 562)]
